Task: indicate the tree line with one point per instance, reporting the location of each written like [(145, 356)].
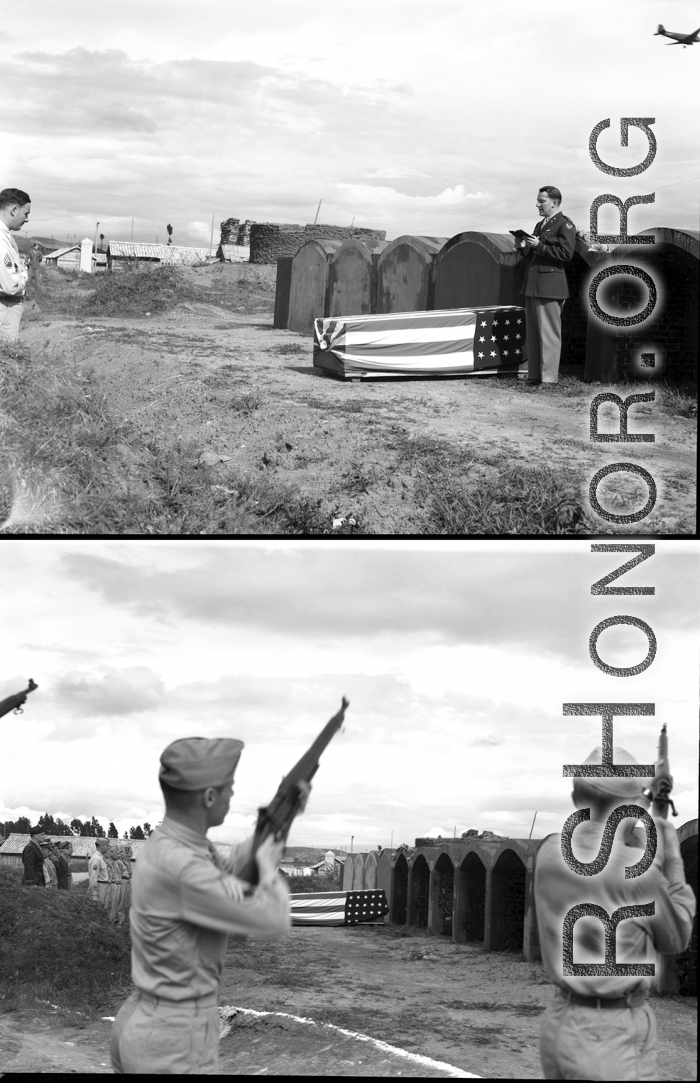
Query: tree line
[(85, 828)]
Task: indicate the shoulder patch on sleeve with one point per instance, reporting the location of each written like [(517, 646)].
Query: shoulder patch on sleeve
[(8, 261), (569, 225)]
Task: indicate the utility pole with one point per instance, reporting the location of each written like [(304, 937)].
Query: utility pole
[(317, 210), (352, 839), (353, 222), (211, 239), (94, 243), (391, 847), (533, 824)]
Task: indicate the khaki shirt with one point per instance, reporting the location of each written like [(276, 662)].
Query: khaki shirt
[(183, 908), (13, 273), (558, 888), (97, 873)]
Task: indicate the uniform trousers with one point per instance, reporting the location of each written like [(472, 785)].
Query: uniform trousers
[(581, 1042), (543, 318), (114, 892), (103, 894), (10, 316), (152, 1036)]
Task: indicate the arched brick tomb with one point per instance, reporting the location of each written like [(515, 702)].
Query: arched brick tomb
[(406, 274), (352, 278), (308, 292)]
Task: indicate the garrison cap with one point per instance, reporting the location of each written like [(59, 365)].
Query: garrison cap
[(606, 788), (194, 763)]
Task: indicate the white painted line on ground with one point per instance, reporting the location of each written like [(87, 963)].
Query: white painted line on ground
[(228, 1012)]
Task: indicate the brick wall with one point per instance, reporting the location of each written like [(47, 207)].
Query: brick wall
[(270, 240)]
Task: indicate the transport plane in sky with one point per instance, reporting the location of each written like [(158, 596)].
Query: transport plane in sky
[(681, 39)]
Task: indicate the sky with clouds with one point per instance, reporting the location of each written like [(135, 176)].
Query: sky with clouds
[(406, 116), (456, 659)]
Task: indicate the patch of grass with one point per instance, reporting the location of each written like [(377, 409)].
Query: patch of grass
[(359, 478), (462, 494), (679, 401), (68, 467), (290, 348), (59, 947), (244, 404), (136, 292)]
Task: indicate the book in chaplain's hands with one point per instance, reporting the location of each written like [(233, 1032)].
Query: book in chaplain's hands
[(519, 234)]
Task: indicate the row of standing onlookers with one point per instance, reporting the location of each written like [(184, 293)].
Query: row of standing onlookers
[(109, 878), (48, 864)]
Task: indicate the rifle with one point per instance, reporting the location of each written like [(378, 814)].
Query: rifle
[(277, 818), (659, 793), (14, 703)]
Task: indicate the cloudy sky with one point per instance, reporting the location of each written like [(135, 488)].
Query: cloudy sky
[(456, 659), (409, 117)]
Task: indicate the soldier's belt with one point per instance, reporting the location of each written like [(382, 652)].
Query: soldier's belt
[(633, 1000)]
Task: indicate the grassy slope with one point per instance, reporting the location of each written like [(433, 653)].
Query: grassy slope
[(59, 947), (67, 466)]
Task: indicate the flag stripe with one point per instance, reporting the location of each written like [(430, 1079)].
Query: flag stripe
[(450, 341)]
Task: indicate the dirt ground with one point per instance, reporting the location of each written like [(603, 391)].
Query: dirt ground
[(250, 399), (470, 1011)]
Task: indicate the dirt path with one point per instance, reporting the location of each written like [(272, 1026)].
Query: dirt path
[(428, 999), (249, 396)]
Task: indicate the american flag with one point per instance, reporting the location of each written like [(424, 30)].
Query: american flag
[(456, 341), (338, 907), (499, 337)]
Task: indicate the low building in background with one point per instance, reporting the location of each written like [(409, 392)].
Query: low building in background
[(123, 254)]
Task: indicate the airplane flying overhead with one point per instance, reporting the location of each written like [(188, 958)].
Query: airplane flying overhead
[(681, 39)]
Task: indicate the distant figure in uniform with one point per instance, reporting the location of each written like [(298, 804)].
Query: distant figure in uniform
[(65, 876), (186, 900), (601, 1027), (15, 206), (33, 859), (50, 877), (121, 866), (115, 883), (34, 279), (545, 288), (128, 854), (98, 875)]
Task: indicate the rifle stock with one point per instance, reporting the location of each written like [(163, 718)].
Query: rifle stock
[(276, 818), (14, 703)]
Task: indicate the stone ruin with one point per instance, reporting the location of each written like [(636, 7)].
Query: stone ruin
[(270, 240), (233, 231)]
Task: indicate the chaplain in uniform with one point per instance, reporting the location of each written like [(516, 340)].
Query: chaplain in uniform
[(600, 1026), (15, 206), (545, 288), (185, 902)]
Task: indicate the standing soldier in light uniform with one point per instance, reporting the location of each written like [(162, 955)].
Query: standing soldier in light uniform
[(545, 289), (126, 877), (15, 206), (121, 865), (185, 903), (600, 1026), (115, 884), (98, 875)]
